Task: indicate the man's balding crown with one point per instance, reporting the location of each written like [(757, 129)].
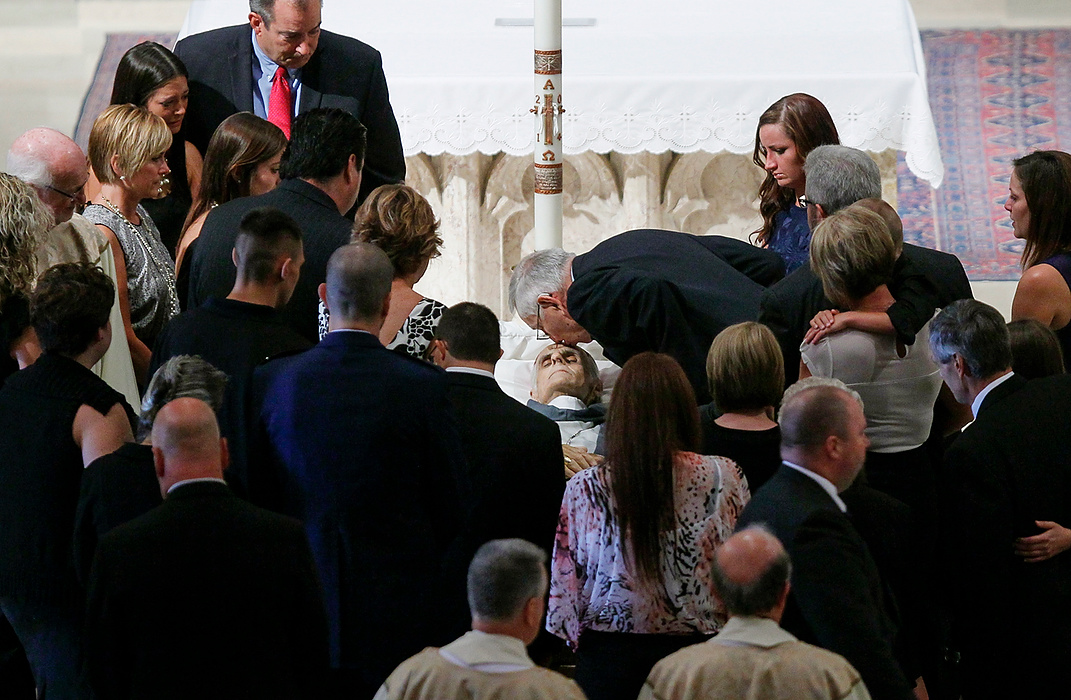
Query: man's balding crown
[(41, 155), (186, 427), (359, 277), (748, 554)]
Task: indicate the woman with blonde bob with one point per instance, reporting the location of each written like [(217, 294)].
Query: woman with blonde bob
[(126, 150), (398, 219), (853, 255), (747, 377), (24, 222)]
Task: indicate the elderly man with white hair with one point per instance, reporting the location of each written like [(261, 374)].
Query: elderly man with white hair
[(57, 169)]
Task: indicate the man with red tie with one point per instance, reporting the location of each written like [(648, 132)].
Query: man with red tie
[(283, 64)]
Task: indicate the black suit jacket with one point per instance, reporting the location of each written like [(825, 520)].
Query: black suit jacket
[(668, 292), (1006, 470), (836, 600), (205, 596), (514, 462), (323, 231), (924, 280), (361, 445), (343, 73)]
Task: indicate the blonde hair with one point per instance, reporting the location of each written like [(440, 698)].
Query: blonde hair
[(133, 134), (24, 221), (852, 253), (745, 368)]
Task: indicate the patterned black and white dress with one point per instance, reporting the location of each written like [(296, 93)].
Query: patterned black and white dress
[(416, 333), (591, 586)]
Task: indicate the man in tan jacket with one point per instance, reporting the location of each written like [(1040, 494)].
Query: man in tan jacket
[(752, 656), (507, 584)]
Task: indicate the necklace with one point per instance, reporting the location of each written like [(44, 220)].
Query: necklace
[(169, 277)]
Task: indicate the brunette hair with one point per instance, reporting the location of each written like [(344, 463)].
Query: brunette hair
[(1046, 180), (142, 71), (652, 418), (1035, 349), (71, 303), (807, 122), (745, 368), (241, 143), (133, 133), (400, 221)]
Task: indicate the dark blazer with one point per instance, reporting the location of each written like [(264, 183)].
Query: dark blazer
[(514, 461), (235, 337), (668, 292), (323, 230), (1006, 470), (924, 280), (836, 600), (205, 596), (343, 73), (362, 446)]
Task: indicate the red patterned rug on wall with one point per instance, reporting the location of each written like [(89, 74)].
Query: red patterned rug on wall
[(995, 95)]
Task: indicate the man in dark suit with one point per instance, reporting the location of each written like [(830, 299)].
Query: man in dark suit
[(510, 449), (1008, 477), (836, 601), (641, 290), (923, 279), (362, 446), (241, 331), (204, 596), (235, 69), (321, 171)]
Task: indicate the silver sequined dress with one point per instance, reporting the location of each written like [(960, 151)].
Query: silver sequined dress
[(150, 272)]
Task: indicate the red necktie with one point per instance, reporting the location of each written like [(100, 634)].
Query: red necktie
[(280, 104)]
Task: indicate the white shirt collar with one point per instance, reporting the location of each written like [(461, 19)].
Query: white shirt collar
[(194, 481), (491, 653), (753, 631), (977, 403), (570, 402), (471, 370), (825, 483)]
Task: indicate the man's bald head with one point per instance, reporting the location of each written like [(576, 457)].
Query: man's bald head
[(359, 277), (751, 572), (889, 216), (186, 443), (54, 165)]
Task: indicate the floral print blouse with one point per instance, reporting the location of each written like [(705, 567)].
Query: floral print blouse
[(591, 586)]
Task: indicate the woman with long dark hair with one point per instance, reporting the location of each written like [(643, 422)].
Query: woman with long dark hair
[(151, 76), (1039, 206), (242, 160), (630, 577), (788, 130)]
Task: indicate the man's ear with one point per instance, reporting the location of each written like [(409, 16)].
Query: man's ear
[(549, 300), (321, 292), (386, 306), (286, 268), (234, 257), (158, 462), (820, 213), (437, 351), (961, 366), (224, 454), (533, 611)]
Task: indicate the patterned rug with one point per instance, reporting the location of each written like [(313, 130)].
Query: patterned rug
[(995, 95), (100, 90)]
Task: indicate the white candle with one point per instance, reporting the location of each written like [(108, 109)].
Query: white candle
[(548, 124)]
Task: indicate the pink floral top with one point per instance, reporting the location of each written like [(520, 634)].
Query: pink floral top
[(591, 586)]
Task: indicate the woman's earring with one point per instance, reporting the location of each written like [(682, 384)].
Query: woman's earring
[(122, 178)]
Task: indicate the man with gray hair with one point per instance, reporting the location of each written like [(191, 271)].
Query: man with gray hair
[(57, 169), (1008, 477), (360, 444), (837, 597), (282, 64), (752, 656), (923, 279), (507, 588), (647, 289)]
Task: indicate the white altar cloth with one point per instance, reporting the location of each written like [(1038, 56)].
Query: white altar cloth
[(669, 75)]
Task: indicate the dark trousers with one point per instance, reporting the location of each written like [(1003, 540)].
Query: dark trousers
[(614, 665), (52, 638)]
